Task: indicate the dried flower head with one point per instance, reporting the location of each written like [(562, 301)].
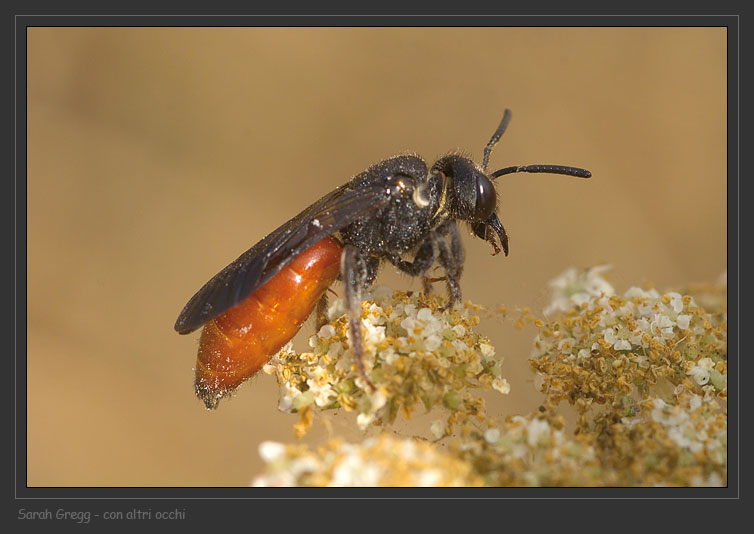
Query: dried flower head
[(678, 443), (656, 365), (614, 350)]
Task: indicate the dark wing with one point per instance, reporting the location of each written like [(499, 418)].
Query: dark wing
[(260, 263)]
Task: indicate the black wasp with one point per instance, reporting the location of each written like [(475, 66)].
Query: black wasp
[(397, 211)]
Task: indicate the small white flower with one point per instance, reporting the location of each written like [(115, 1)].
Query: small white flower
[(425, 314), (389, 355), (683, 321), (335, 349), (459, 345), (636, 338), (353, 471), (699, 374), (407, 449), (577, 288), (378, 399), (287, 395), (327, 331), (538, 432), (695, 402), (520, 419), (437, 427), (579, 299), (270, 451), (634, 291), (320, 387), (363, 420), (630, 423), (539, 382), (409, 324), (706, 363), (487, 350), (520, 450), (374, 334), (432, 342), (676, 301), (428, 478), (622, 344), (501, 384), (492, 435), (565, 345), (658, 410)]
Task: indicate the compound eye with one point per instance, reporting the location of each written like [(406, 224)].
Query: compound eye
[(486, 199)]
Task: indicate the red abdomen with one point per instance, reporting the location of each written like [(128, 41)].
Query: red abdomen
[(235, 345)]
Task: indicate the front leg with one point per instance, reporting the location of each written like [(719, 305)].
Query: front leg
[(355, 275), (423, 260), (451, 257), (436, 247)]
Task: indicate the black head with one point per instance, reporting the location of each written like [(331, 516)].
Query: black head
[(470, 191), (470, 194)]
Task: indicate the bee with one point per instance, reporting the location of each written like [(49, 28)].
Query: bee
[(397, 211)]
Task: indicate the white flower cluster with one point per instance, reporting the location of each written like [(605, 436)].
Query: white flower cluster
[(380, 461), (655, 315), (574, 288), (414, 353), (650, 315), (689, 425), (525, 435), (530, 451)]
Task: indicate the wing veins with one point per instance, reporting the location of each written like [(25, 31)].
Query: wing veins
[(252, 269)]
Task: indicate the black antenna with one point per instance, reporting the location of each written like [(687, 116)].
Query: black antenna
[(551, 169), (496, 137)]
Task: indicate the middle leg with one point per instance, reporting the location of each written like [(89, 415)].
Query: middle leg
[(451, 257)]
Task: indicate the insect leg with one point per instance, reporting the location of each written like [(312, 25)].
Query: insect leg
[(451, 258), (427, 282), (321, 312), (423, 260), (355, 275)]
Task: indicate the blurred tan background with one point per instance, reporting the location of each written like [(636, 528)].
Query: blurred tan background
[(156, 156)]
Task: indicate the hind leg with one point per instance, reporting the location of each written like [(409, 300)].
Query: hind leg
[(356, 275)]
